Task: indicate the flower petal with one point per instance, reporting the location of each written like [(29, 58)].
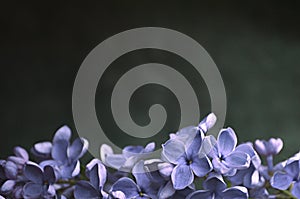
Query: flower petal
[(96, 173), (166, 191), (173, 150), (201, 166), (127, 186), (33, 173), (165, 169), (149, 147), (226, 141), (78, 148), (59, 150), (238, 160), (63, 133), (115, 161), (140, 174), (32, 190), (118, 194), (214, 183), (49, 174), (292, 169), (236, 192), (84, 189), (129, 151), (43, 147), (182, 176), (281, 180), (8, 186), (11, 170), (296, 190), (22, 153), (208, 122), (105, 150)]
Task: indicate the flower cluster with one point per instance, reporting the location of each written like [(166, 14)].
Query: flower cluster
[(192, 165)]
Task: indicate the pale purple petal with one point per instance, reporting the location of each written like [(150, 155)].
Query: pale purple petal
[(166, 191), (201, 166), (11, 170), (118, 195), (96, 173), (22, 153), (149, 147), (292, 169), (208, 122), (296, 189), (226, 141), (238, 160), (236, 192), (32, 190), (115, 161), (127, 186), (173, 150), (63, 133), (8, 186), (165, 169), (214, 183), (34, 173), (59, 150), (182, 176), (78, 148), (84, 189), (281, 180)]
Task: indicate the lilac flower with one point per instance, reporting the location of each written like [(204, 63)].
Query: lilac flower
[(215, 188), (269, 149), (130, 189), (193, 136), (13, 166), (42, 151), (251, 176), (96, 172), (143, 188), (11, 173), (40, 183), (290, 175), (226, 160), (187, 161), (129, 157), (65, 155)]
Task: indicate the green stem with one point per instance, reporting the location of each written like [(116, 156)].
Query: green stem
[(289, 194)]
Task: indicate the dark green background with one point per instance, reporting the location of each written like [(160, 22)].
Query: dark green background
[(256, 46)]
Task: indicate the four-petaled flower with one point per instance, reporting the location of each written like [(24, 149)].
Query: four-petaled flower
[(226, 159)]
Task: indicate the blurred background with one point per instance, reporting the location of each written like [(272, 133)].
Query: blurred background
[(256, 46)]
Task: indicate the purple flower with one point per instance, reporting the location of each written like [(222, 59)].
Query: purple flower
[(188, 162), (130, 189), (66, 155), (129, 157), (145, 186), (290, 175), (97, 174), (40, 183), (215, 188), (251, 176), (267, 148), (226, 159)]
